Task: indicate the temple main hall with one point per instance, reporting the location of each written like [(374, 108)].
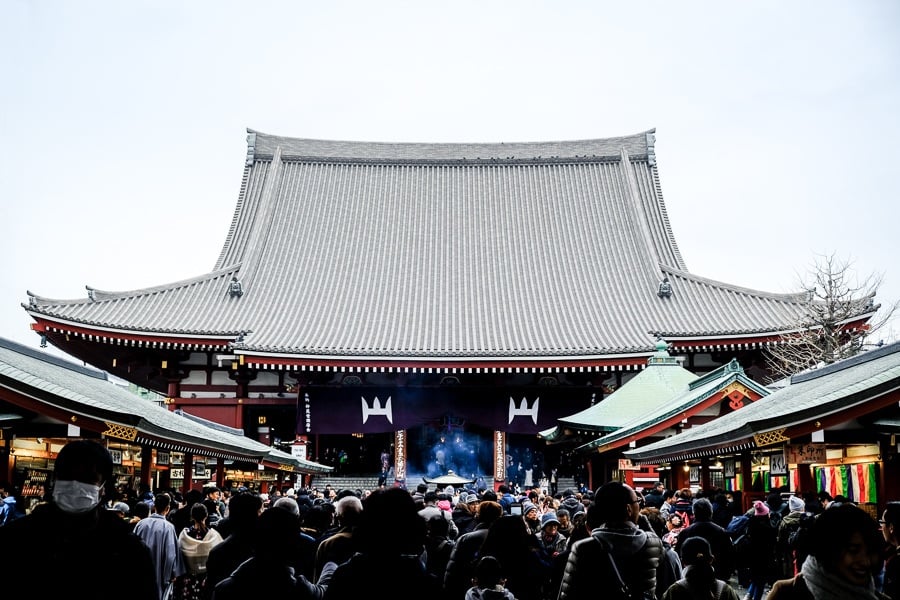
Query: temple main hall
[(424, 307)]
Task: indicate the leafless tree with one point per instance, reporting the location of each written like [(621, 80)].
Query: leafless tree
[(839, 318)]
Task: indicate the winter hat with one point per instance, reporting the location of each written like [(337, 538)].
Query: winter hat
[(572, 504), (471, 499), (796, 504), (121, 507), (528, 506), (443, 504), (760, 508), (549, 519), (449, 490)]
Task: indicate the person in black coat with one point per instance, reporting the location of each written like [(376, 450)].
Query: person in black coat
[(243, 512), (510, 541), (461, 567), (71, 546), (761, 556), (715, 535), (390, 542), (654, 498), (274, 550)]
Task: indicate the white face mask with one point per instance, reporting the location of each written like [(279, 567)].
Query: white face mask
[(75, 497)]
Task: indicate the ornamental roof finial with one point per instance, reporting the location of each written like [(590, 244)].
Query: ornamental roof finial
[(665, 288)]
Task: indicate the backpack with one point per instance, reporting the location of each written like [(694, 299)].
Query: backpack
[(8, 512), (737, 526), (796, 539), (685, 518)]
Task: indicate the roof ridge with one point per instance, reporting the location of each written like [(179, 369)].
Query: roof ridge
[(263, 145), (630, 136), (786, 297), (97, 295), (51, 359), (858, 359)]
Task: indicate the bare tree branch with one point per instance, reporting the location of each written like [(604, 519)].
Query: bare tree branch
[(829, 330)]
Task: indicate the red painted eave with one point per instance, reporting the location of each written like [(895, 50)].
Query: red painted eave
[(673, 420), (49, 327)]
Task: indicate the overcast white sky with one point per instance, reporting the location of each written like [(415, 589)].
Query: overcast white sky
[(123, 123)]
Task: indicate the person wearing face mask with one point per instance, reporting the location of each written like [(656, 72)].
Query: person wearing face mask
[(70, 546)]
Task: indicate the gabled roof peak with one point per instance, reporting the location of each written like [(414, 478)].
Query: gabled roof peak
[(732, 366)]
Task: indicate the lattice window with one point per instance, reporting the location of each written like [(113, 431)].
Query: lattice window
[(768, 438), (120, 432)]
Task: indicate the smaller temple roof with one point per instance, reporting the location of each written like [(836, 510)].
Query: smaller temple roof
[(697, 394), (663, 379), (809, 401), (86, 396)]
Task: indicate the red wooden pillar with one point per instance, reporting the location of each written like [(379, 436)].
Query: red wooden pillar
[(146, 465), (704, 474), (747, 479), (188, 471), (220, 473), (806, 481)]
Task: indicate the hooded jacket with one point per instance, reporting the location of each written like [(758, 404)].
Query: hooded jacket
[(635, 552), (196, 552)]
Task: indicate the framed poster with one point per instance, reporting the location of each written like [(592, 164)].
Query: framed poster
[(162, 458), (694, 475), (728, 470), (116, 456), (777, 464)]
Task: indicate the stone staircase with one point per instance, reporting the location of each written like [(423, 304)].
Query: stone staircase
[(565, 483), (344, 482), (354, 482)]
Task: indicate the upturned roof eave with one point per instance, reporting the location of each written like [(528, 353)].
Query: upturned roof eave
[(694, 401), (844, 390)]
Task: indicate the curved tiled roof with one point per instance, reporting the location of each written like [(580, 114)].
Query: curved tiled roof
[(810, 396), (696, 392), (89, 393), (442, 251), (655, 386)]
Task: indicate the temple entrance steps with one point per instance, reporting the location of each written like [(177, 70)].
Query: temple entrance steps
[(370, 483), (566, 483), (340, 482)]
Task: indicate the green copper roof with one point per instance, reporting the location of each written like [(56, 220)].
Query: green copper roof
[(663, 379)]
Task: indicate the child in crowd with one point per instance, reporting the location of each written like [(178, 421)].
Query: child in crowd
[(489, 582)]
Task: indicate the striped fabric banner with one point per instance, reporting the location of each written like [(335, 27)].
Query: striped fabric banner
[(857, 483)]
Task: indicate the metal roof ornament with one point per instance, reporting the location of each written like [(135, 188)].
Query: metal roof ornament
[(235, 288), (651, 148), (665, 288), (251, 149)]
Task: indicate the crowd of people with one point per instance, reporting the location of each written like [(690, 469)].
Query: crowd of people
[(446, 544)]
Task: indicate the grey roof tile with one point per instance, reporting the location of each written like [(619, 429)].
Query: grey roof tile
[(89, 392), (547, 249), (818, 393)]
